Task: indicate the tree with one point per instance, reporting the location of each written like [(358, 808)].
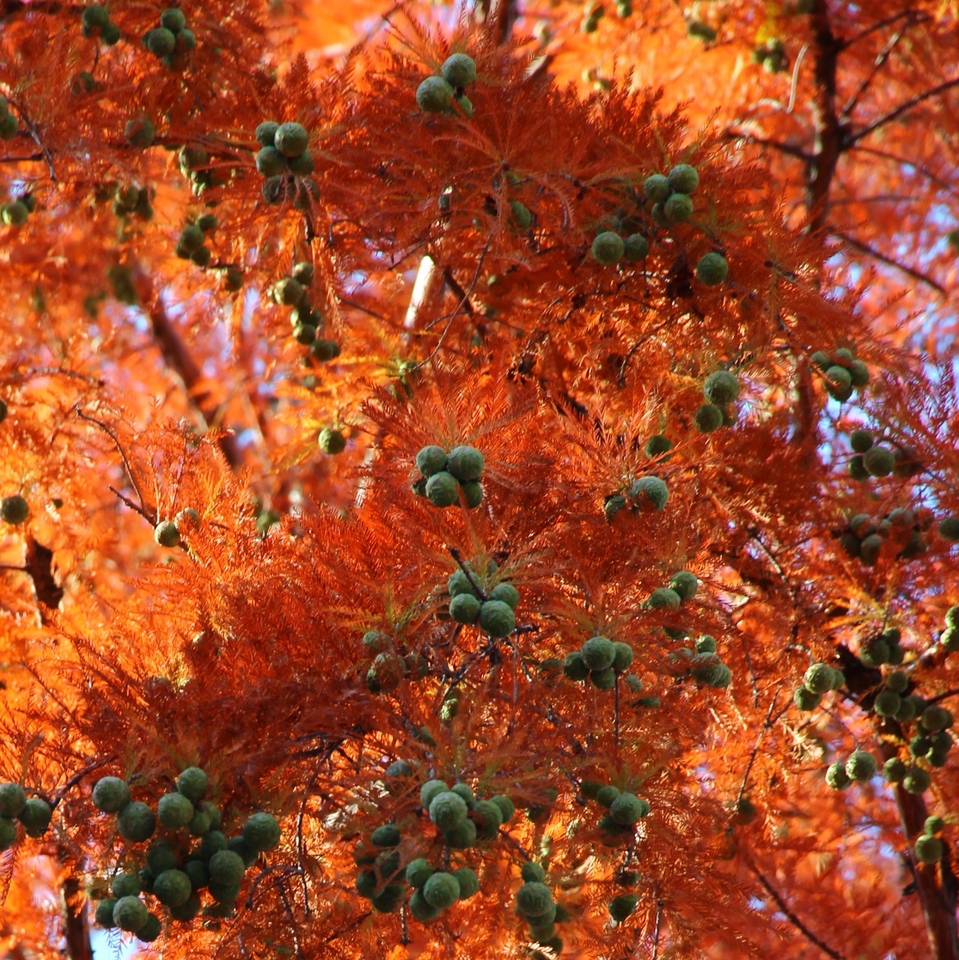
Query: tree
[(532, 492)]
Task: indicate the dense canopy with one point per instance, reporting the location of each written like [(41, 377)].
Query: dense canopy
[(479, 479)]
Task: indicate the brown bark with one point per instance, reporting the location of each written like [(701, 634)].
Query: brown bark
[(935, 883), (75, 927), (830, 133), (178, 359), (505, 14), (501, 14)]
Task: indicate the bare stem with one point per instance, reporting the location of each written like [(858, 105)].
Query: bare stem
[(793, 919), (890, 262)]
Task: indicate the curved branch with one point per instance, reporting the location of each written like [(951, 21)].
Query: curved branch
[(145, 511), (910, 15), (796, 152), (877, 65), (882, 258), (906, 162), (793, 919), (901, 109), (179, 360)]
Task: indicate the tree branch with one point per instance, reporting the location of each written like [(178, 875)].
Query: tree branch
[(939, 697), (793, 919), (10, 7), (877, 65), (901, 109), (659, 919), (877, 198), (752, 756), (906, 162), (796, 152), (937, 900), (75, 927), (39, 566), (504, 17), (882, 258), (148, 512), (879, 24), (829, 140), (178, 359)]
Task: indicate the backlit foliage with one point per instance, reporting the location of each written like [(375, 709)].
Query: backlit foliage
[(294, 638)]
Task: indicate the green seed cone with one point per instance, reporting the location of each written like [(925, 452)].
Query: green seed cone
[(649, 493), (434, 95), (13, 798), (534, 899), (861, 765), (174, 810), (136, 822), (172, 888), (465, 608), (622, 906), (442, 490), (441, 890), (497, 618), (683, 178), (598, 653), (459, 70), (627, 809), (608, 248), (447, 809), (130, 914), (261, 831), (711, 269)]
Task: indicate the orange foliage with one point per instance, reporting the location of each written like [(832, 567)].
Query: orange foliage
[(298, 641)]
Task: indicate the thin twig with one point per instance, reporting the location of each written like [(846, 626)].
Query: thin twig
[(659, 917), (796, 152), (616, 713), (126, 465), (879, 24), (876, 198), (58, 371), (355, 922), (889, 261), (474, 583), (878, 63), (180, 361), (78, 776), (300, 838), (752, 757), (456, 310), (452, 283), (793, 919), (901, 109), (47, 155), (945, 185), (362, 309), (152, 520)]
